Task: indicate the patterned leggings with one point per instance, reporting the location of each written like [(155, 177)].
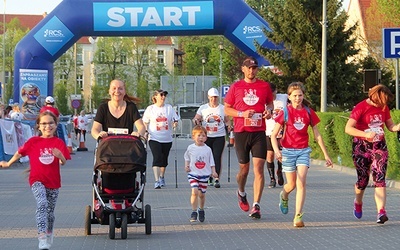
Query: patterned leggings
[(370, 157), (46, 199)]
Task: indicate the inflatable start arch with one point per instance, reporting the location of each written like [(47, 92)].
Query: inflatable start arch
[(72, 19)]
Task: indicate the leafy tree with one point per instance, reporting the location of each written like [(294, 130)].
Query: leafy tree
[(391, 8), (14, 33), (296, 25), (61, 95), (197, 47)]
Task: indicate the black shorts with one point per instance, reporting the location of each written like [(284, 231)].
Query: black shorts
[(269, 144), (254, 142), (160, 152)]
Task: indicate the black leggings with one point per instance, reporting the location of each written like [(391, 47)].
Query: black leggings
[(217, 145)]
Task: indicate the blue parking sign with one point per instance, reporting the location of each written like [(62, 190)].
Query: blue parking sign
[(224, 90), (391, 42)]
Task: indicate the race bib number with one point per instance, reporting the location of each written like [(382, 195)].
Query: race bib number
[(379, 134), (212, 126), (254, 121), (118, 131)]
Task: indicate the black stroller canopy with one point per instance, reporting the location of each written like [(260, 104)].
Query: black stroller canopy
[(120, 154)]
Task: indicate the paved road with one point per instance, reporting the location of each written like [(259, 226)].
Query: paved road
[(328, 213)]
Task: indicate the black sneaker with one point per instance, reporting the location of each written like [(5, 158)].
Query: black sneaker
[(255, 212), (216, 184), (193, 216), (272, 184), (201, 215)]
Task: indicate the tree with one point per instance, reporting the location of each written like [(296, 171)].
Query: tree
[(391, 8), (14, 33), (296, 25)]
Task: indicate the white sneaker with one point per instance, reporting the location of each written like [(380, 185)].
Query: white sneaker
[(43, 245), (49, 237)]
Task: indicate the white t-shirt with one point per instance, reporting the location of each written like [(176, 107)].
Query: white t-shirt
[(201, 160), (82, 122), (17, 116), (279, 102), (213, 119), (160, 120)]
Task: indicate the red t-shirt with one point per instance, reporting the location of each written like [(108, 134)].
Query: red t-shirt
[(298, 120), (243, 96), (370, 118), (51, 109), (44, 166)]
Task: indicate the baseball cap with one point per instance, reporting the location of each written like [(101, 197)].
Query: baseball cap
[(49, 99), (160, 91), (213, 92), (250, 62)]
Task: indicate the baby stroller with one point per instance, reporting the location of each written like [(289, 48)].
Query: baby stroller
[(119, 178)]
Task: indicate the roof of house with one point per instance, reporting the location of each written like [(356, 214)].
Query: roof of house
[(372, 26)]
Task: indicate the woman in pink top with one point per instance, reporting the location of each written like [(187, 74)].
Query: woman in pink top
[(370, 154)]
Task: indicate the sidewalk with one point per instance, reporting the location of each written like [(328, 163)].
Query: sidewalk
[(328, 216)]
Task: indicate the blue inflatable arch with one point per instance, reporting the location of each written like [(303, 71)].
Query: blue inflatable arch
[(72, 19)]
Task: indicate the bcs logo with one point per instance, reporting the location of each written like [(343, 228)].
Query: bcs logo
[(251, 29), (53, 33)]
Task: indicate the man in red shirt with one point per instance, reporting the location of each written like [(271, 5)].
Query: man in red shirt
[(249, 101)]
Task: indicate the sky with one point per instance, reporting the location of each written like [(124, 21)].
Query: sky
[(38, 7), (35, 7)]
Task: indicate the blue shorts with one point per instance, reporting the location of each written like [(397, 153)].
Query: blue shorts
[(292, 158)]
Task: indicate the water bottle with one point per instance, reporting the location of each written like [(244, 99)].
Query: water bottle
[(231, 138), (339, 159)]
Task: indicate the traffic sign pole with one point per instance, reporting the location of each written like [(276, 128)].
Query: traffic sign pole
[(391, 49)]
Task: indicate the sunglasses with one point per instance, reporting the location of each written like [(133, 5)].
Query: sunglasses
[(163, 94)]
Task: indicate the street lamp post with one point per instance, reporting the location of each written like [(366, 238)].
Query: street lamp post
[(203, 62), (3, 80), (221, 47)]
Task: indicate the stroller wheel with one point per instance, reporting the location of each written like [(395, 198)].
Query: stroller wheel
[(111, 230), (88, 220), (124, 226), (147, 218)]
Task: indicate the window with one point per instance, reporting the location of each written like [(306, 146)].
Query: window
[(63, 78), (160, 56), (79, 57), (102, 56), (79, 81), (123, 59), (102, 79)]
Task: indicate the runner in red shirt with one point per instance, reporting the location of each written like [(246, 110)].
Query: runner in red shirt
[(46, 153), (249, 101)]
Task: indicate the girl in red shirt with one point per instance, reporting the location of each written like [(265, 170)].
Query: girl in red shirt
[(295, 155), (46, 152)]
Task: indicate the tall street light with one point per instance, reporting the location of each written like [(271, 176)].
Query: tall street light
[(221, 48), (203, 62)]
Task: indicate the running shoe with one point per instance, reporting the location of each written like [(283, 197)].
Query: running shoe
[(272, 183), (357, 210), (298, 220), (193, 216), (217, 184), (382, 217), (157, 185), (43, 245), (162, 181), (255, 212), (243, 204), (49, 237), (210, 181), (280, 177), (201, 215), (283, 204)]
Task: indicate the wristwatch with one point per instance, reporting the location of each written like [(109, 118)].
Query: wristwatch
[(240, 114)]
